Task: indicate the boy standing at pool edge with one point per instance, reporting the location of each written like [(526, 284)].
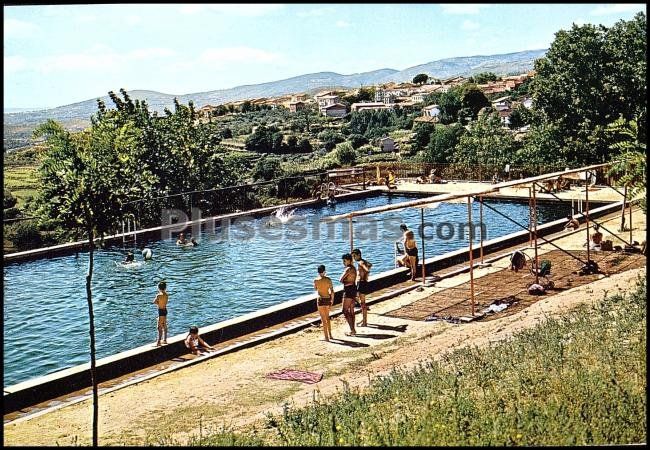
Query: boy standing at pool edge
[(161, 300)]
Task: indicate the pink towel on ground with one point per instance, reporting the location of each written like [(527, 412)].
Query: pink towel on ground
[(296, 375)]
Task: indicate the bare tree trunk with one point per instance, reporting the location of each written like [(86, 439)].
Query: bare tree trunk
[(91, 316)]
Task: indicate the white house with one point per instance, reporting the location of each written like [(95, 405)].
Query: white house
[(431, 111), (387, 144), (372, 106), (335, 110), (502, 103)]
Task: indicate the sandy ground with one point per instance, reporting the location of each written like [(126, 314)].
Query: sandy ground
[(231, 390)]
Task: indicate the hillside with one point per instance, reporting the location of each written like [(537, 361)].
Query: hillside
[(79, 113)]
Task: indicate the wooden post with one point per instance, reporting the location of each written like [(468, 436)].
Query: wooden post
[(480, 199), (530, 218), (536, 265), (623, 209), (471, 253), (587, 218), (422, 236), (630, 203), (351, 236)]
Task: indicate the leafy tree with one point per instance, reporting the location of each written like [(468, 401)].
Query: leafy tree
[(265, 140), (483, 77), (304, 146), (450, 105), (519, 117), (292, 143), (472, 99), (9, 201), (83, 188), (422, 135), (330, 138), (486, 143), (630, 165), (357, 140), (589, 77), (420, 78), (345, 154), (442, 142), (267, 168)]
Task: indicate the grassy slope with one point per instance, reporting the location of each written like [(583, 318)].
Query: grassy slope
[(577, 380)]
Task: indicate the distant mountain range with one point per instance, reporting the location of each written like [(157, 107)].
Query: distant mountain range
[(509, 63)]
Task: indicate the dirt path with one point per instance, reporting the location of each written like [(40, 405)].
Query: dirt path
[(231, 390)]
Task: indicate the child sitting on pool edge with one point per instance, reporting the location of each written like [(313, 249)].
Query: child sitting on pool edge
[(195, 343)]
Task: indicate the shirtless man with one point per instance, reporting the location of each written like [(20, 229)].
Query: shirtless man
[(325, 288), (161, 300), (181, 239), (363, 268), (348, 279)]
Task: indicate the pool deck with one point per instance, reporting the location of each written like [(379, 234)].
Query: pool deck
[(131, 408), (597, 194), (147, 362)]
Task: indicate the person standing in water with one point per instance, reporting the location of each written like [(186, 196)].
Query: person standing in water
[(348, 278), (363, 268), (325, 288), (161, 300)]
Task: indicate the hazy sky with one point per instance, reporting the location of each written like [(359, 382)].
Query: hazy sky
[(60, 54)]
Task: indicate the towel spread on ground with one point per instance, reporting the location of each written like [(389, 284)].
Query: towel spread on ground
[(296, 375)]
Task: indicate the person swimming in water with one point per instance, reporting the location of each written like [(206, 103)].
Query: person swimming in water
[(129, 259), (193, 242), (161, 300), (181, 239)]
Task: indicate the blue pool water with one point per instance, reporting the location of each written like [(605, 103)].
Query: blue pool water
[(45, 310)]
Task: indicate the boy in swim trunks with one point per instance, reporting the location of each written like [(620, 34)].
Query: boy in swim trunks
[(325, 289), (348, 278), (362, 283), (161, 300)]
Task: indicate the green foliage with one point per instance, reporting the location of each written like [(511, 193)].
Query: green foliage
[(364, 94), (573, 381), (267, 168), (486, 143), (449, 103), (519, 117), (442, 142), (24, 235), (422, 134), (345, 155), (265, 140), (630, 165), (589, 77), (9, 201), (483, 77), (357, 140), (330, 138), (472, 100), (420, 78)]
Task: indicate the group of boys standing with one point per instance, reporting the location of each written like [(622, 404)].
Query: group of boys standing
[(355, 286)]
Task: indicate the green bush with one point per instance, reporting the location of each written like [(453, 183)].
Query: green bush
[(9, 200), (10, 213), (345, 154), (25, 235)]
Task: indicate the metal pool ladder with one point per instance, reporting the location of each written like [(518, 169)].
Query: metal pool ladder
[(129, 230)]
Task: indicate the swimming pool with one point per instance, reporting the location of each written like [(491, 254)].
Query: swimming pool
[(253, 267)]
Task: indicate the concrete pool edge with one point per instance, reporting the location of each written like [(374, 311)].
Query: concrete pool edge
[(73, 247), (69, 380)]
